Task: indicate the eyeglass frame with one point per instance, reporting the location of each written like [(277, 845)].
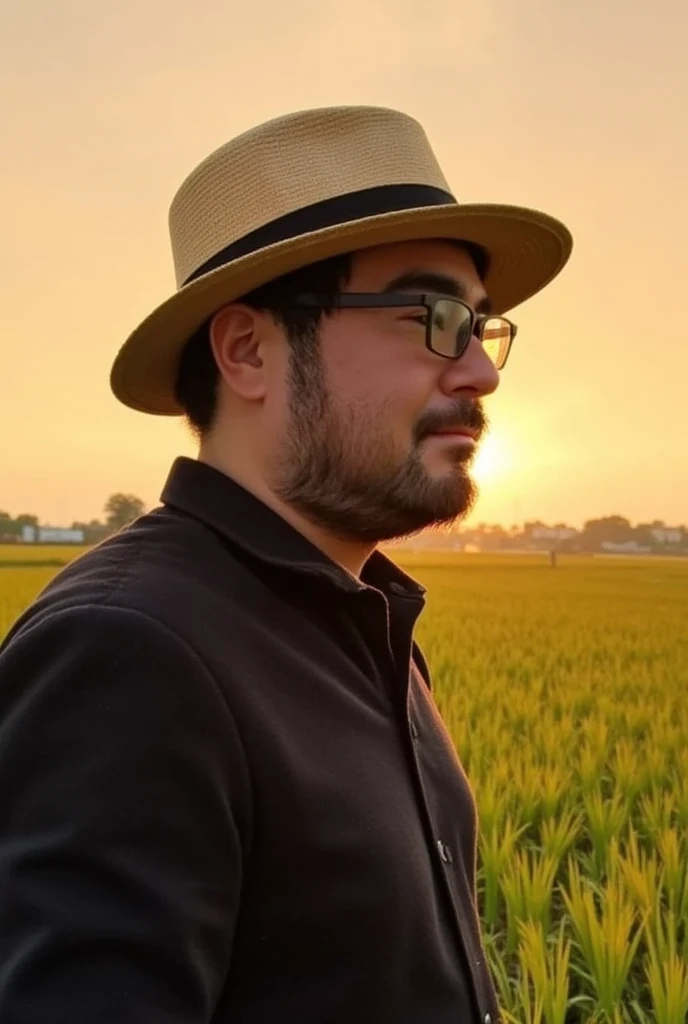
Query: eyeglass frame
[(397, 300)]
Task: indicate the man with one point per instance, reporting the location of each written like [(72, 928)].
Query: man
[(227, 792)]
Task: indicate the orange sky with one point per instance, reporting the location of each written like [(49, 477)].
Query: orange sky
[(577, 108)]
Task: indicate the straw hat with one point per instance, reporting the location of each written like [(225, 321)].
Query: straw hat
[(304, 187)]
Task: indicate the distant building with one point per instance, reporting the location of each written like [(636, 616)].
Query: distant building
[(666, 535), (51, 535), (553, 532), (631, 547)]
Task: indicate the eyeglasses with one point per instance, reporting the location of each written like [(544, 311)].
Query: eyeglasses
[(449, 323)]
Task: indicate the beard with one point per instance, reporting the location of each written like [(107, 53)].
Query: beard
[(343, 472)]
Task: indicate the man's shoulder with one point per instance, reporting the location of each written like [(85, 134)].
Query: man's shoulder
[(164, 566)]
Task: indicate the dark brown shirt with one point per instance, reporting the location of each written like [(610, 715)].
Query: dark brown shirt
[(226, 793)]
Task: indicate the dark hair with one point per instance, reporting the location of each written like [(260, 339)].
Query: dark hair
[(198, 375)]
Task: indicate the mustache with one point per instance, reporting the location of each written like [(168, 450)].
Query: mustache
[(468, 413)]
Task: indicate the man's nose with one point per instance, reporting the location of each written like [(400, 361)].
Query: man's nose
[(474, 371)]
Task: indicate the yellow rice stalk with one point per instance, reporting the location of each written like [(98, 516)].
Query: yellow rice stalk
[(527, 885), (489, 795), (555, 782), (525, 791), (529, 1007), (596, 732), (548, 968), (666, 970), (606, 818), (657, 809), (640, 871), (557, 835), (652, 759), (591, 761), (673, 853), (496, 848), (624, 767), (604, 936), (680, 787), (506, 986)]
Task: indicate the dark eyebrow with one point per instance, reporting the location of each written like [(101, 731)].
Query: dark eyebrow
[(431, 281)]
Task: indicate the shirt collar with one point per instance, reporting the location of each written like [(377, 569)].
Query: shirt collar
[(219, 501)]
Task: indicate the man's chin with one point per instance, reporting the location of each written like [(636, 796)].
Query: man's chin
[(447, 509)]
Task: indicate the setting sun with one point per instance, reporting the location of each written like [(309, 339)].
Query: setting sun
[(493, 459)]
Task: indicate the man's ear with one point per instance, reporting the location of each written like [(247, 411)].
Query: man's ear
[(237, 339)]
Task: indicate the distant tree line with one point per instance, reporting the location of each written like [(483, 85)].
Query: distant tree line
[(119, 510), (609, 533)]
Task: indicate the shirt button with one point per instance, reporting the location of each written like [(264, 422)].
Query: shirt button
[(488, 1018), (445, 852)]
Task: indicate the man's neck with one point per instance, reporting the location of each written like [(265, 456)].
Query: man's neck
[(348, 555)]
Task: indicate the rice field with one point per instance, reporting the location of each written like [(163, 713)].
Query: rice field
[(565, 691)]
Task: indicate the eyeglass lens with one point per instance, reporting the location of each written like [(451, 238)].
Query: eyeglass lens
[(496, 339), (451, 332)]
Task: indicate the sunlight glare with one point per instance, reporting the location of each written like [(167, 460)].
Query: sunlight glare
[(492, 460)]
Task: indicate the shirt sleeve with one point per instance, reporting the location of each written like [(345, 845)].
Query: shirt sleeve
[(124, 814)]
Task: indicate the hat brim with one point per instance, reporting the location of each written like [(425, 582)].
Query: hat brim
[(527, 249)]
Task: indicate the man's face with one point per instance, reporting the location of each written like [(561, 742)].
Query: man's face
[(357, 455)]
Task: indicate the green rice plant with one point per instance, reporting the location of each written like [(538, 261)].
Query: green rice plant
[(547, 966), (527, 885), (666, 970), (535, 792), (596, 732), (640, 871), (496, 849), (489, 793), (557, 835), (554, 737), (506, 986), (652, 757), (524, 792), (529, 1003), (672, 851), (555, 782), (624, 768), (591, 762), (680, 788), (605, 937), (657, 809), (606, 818)]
